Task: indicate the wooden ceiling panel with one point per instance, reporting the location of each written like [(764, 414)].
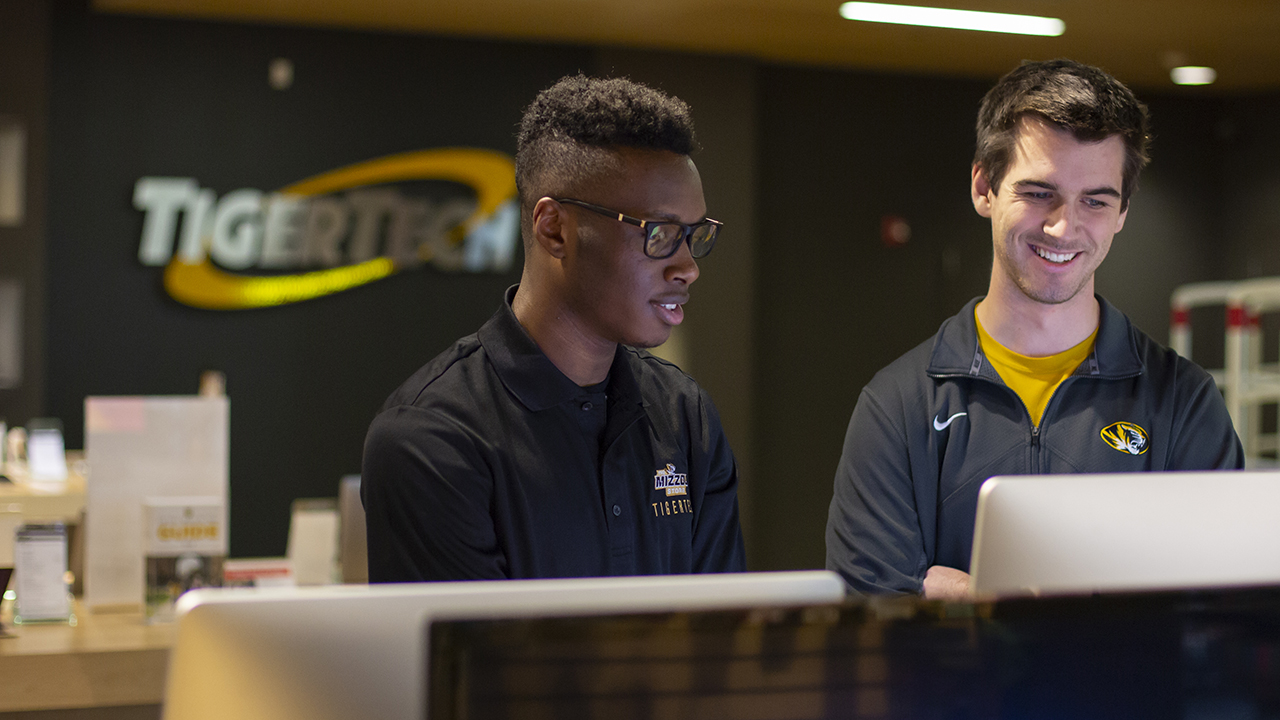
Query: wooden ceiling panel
[(1134, 39)]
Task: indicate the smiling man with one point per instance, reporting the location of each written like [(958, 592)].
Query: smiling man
[(1039, 376), (547, 444)]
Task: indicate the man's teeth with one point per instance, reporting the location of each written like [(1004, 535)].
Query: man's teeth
[(669, 306), (1053, 257)]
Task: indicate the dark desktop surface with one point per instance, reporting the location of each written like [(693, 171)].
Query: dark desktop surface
[(1185, 655)]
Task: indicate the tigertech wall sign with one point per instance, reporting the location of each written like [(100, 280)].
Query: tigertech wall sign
[(332, 232)]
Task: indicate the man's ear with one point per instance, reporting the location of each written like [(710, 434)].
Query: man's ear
[(549, 226), (980, 189)]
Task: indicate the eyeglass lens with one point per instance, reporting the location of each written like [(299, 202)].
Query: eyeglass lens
[(665, 238)]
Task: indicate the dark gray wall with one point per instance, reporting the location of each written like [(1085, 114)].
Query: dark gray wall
[(1248, 234), (1249, 225), (1173, 234), (839, 151), (24, 97)]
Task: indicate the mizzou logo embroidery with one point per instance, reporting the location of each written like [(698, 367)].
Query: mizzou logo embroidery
[(673, 482), (1125, 437)]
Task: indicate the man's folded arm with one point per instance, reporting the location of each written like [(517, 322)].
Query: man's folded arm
[(873, 530), (427, 493)]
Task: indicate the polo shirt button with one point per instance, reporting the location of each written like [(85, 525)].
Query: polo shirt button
[(587, 406), (617, 511)]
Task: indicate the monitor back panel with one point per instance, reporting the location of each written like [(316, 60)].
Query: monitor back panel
[(1131, 531), (358, 651)]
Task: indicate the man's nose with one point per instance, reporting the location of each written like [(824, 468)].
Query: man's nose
[(1061, 221), (682, 266)]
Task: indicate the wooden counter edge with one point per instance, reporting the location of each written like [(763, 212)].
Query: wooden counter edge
[(83, 679)]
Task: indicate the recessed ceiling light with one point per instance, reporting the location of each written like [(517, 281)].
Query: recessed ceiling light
[(956, 19), (280, 73), (1193, 75)]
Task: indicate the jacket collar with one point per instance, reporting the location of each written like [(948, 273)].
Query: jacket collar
[(529, 375), (956, 350)]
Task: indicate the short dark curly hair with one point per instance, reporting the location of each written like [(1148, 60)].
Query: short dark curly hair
[(1082, 99), (569, 130)]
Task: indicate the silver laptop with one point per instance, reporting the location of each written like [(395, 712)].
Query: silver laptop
[(1076, 534)]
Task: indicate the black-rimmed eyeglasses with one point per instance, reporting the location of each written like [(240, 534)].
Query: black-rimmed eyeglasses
[(662, 238)]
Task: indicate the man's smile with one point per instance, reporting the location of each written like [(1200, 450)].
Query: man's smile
[(1054, 257), (671, 310)]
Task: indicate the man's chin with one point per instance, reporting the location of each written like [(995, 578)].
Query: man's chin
[(649, 341), (1051, 296), (648, 344)]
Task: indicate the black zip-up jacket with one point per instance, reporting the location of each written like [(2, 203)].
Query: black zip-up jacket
[(937, 422)]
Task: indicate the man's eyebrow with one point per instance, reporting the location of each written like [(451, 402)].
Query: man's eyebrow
[(1043, 184), (670, 217), (664, 217), (1104, 190)]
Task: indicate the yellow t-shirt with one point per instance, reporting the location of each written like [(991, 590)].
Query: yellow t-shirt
[(1033, 378)]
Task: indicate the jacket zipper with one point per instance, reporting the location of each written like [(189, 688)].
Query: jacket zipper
[(1034, 466), (1035, 448), (1035, 429)]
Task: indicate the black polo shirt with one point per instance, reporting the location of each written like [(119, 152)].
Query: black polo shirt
[(490, 463)]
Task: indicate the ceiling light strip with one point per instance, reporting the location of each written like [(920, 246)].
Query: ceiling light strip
[(1193, 75), (955, 19)]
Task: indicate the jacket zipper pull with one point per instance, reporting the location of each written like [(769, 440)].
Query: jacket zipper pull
[(1035, 436)]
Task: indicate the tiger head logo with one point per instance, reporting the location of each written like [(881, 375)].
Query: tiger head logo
[(1125, 437)]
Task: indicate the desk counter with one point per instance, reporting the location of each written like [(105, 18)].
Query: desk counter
[(44, 502), (105, 660)]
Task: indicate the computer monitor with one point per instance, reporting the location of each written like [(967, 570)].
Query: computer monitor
[(1191, 654), (1072, 534), (358, 651)]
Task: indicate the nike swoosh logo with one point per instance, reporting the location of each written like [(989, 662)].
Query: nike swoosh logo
[(940, 426)]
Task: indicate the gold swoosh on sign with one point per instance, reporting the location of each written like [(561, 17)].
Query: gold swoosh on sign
[(203, 285)]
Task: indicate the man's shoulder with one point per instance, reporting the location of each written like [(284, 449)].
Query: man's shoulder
[(905, 375), (437, 404), (451, 374), (1186, 398), (1163, 366), (947, 352)]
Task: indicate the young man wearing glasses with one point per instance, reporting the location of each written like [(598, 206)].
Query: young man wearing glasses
[(545, 445), (1039, 376)]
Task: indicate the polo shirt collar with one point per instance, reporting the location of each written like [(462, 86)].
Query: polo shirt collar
[(529, 375)]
